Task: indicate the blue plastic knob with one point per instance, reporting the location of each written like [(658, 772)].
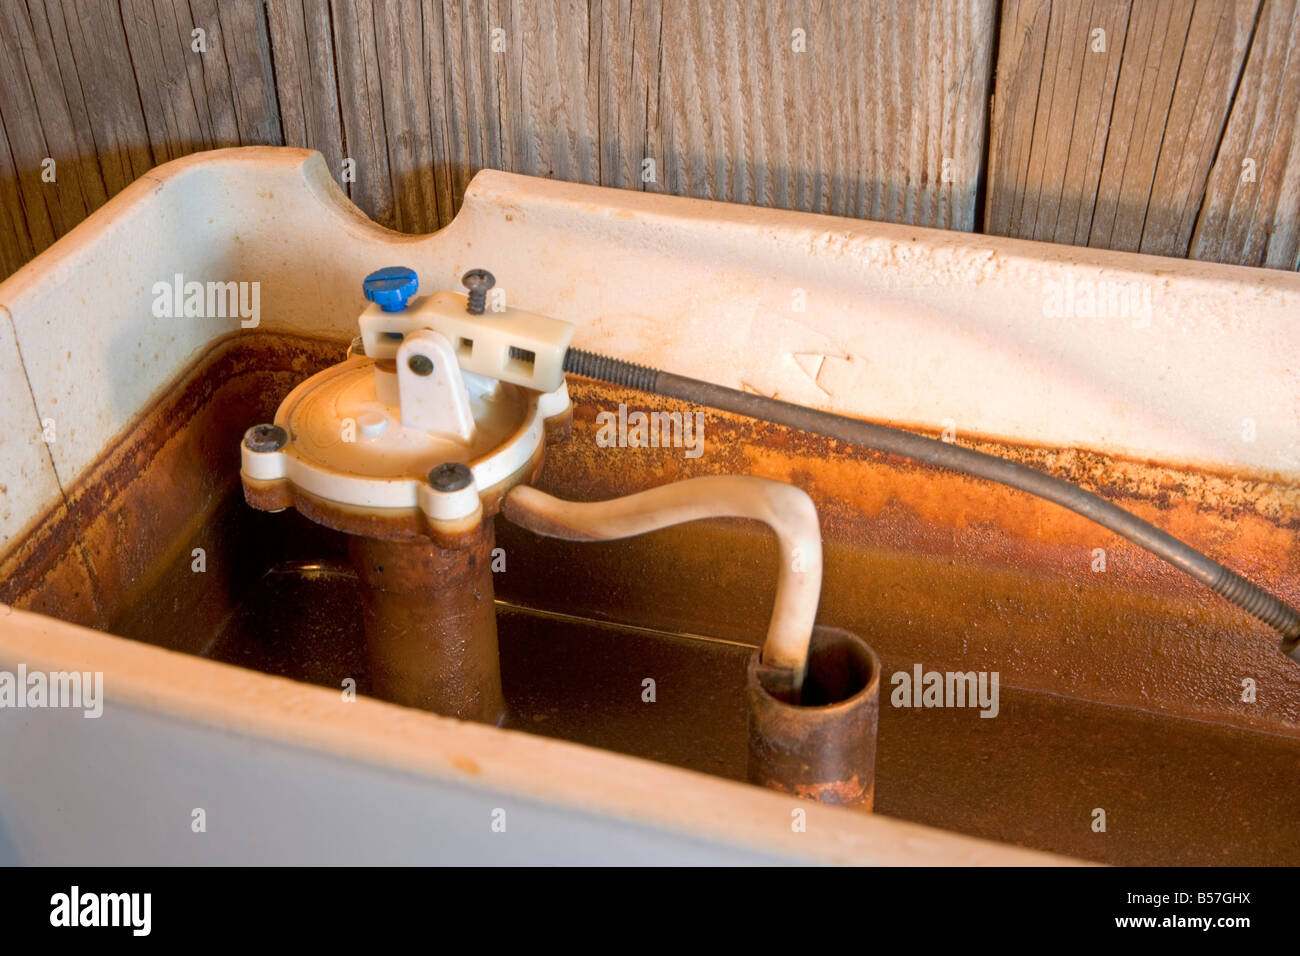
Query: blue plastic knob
[(390, 288)]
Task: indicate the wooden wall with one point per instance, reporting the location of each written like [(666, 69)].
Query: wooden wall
[(1174, 133)]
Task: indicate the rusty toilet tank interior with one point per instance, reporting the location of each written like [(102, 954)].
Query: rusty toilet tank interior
[(1121, 688)]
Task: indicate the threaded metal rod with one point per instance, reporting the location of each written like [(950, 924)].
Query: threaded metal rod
[(1232, 586)]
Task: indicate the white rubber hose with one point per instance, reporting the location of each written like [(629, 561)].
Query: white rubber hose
[(787, 510)]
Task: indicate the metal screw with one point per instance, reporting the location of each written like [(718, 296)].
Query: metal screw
[(478, 281), (266, 438), (450, 476), (420, 364)]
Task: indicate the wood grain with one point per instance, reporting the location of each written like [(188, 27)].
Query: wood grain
[(306, 86), (158, 36), (1257, 222), (238, 79), (1113, 147), (882, 113), (858, 125)]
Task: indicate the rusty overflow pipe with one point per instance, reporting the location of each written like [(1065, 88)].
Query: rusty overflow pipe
[(820, 743), (430, 621), (812, 697)]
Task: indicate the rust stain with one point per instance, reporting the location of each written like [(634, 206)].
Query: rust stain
[(430, 624), (843, 793), (465, 764), (822, 745), (925, 565), (146, 496), (934, 566)]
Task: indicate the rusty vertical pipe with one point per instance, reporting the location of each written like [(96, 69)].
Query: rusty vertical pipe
[(822, 747), (431, 629)]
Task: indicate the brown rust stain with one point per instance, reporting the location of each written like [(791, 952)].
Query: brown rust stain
[(840, 793), (929, 567), (938, 567), (558, 428), (823, 746), (430, 624), (147, 495), (465, 764), (1251, 515)]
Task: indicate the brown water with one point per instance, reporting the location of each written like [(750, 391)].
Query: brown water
[(1174, 790), (1120, 692)]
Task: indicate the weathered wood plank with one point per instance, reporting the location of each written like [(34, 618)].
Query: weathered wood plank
[(552, 103), (873, 110), (623, 60), (1106, 139), (422, 97), (882, 113), (436, 69), (399, 30), (1052, 99), (64, 86), (158, 37), (1217, 40), (237, 75), (43, 125), (471, 117), (90, 38), (1251, 213), (107, 91), (26, 138), (15, 234), (1148, 72), (365, 135), (1155, 172), (306, 86)]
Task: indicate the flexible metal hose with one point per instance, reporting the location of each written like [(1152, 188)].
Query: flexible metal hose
[(1241, 592)]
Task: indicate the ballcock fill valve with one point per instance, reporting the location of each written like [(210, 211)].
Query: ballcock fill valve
[(437, 413), (437, 420)]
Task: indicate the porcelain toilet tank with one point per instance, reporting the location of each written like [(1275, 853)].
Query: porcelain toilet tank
[(349, 563)]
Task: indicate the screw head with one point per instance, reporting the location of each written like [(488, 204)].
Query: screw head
[(391, 287), (264, 438), (450, 476), (420, 364), (477, 281)]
